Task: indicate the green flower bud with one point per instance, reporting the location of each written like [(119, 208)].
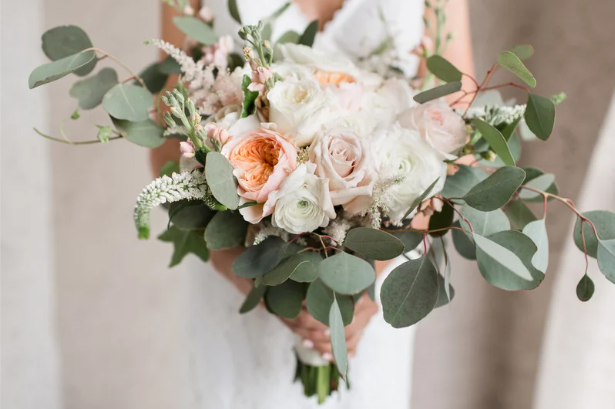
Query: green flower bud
[(168, 118)]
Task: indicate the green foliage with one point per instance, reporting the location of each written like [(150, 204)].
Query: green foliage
[(169, 66), (495, 191), (519, 214), (301, 261), (190, 214), (512, 63), (258, 260), (253, 299), (196, 29), (496, 141), (346, 274), (169, 168), (409, 293), (128, 102), (441, 220), (221, 181), (537, 231), (410, 239), (64, 41), (338, 339), (249, 97), (309, 35), (532, 173), (153, 78), (419, 199), (585, 288), (443, 297), (226, 230), (542, 182), (285, 300), (234, 11), (463, 243), (146, 133), (318, 302), (438, 92), (373, 244), (52, 71), (307, 272), (462, 181), (605, 226), (505, 260), (523, 51), (443, 69), (90, 91), (540, 116), (104, 133), (484, 223), (606, 258), (184, 242)]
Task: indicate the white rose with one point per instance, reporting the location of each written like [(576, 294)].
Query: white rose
[(299, 108), (342, 157), (318, 60), (438, 124), (400, 152), (292, 71), (303, 203)]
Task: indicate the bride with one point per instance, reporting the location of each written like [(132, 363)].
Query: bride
[(246, 361)]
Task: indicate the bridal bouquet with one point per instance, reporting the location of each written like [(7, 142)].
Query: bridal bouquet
[(318, 166)]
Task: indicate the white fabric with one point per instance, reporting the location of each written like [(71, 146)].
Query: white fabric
[(247, 361), (577, 368)]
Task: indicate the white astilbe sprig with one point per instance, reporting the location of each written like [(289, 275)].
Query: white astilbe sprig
[(180, 186), (266, 229), (380, 198), (497, 115)]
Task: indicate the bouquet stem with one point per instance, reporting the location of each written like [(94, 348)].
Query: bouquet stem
[(319, 381)]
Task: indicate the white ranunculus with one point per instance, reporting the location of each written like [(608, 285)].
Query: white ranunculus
[(292, 71), (299, 108), (303, 202), (318, 60), (438, 124), (400, 152), (342, 156)]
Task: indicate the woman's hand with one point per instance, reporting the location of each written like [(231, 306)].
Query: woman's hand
[(317, 335)]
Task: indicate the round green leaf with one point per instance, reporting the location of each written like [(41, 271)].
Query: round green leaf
[(495, 191), (443, 69), (258, 260), (443, 297), (226, 230), (512, 63), (519, 214), (169, 168), (606, 258), (537, 231), (128, 102), (220, 179), (484, 223), (47, 73), (441, 220), (169, 66), (585, 288), (496, 141), (146, 133), (196, 29), (410, 239), (309, 35), (373, 244), (190, 214), (505, 260), (438, 92), (532, 173), (346, 274), (462, 181), (154, 79), (318, 302), (463, 243), (338, 339), (409, 293), (307, 272), (542, 182), (90, 91), (523, 51), (234, 11), (64, 41), (253, 299), (285, 300), (288, 267), (540, 116), (605, 226)]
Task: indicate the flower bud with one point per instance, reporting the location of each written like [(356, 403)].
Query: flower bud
[(168, 118), (179, 96), (191, 107), (188, 10), (217, 133), (187, 149), (267, 44), (177, 112), (206, 14)]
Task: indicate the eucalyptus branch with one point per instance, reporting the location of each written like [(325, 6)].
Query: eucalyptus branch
[(69, 142), (410, 229), (120, 63), (493, 69)]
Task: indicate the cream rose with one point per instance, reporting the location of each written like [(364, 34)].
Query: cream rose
[(299, 108), (318, 60), (303, 203), (400, 152), (342, 156), (438, 124), (262, 159)]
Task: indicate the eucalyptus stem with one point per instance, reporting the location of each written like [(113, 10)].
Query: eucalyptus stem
[(120, 63), (69, 142)]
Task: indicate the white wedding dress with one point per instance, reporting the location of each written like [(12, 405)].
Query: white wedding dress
[(247, 361)]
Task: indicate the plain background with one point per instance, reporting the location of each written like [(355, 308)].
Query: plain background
[(91, 318)]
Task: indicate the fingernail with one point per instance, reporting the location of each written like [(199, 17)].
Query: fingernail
[(327, 332), (327, 356), (308, 343)]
